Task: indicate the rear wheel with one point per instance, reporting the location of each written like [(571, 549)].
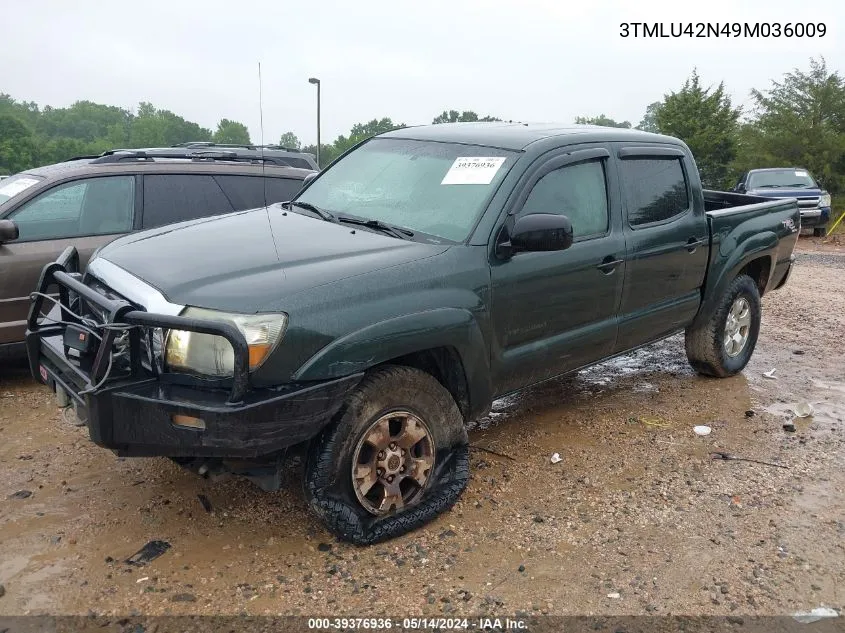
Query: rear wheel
[(396, 457), (723, 345)]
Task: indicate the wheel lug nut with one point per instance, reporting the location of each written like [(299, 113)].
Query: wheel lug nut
[(379, 471), (392, 445), (390, 479), (381, 454), (402, 470)]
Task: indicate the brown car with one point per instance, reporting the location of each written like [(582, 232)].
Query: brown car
[(90, 201)]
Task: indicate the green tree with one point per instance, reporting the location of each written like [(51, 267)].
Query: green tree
[(17, 145), (707, 122), (229, 131), (601, 120), (84, 121), (799, 121), (361, 132), (161, 128), (453, 116), (290, 140), (328, 152), (649, 120)]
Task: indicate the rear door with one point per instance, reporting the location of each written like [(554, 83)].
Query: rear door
[(84, 213), (666, 242)]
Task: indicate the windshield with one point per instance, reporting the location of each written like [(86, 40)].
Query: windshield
[(434, 188), (781, 178), (13, 185)]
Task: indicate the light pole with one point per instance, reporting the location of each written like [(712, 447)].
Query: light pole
[(316, 82)]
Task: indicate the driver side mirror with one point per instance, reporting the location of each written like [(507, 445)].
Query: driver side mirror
[(740, 188), (537, 232), (8, 231)]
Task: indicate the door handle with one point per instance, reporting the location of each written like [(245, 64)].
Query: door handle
[(609, 264), (693, 243)]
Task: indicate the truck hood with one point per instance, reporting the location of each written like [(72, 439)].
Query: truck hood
[(244, 261)]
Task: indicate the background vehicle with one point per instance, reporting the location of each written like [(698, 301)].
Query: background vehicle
[(416, 279), (88, 201), (271, 154), (791, 182)]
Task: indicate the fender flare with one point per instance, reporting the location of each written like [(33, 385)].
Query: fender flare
[(399, 336), (732, 258)]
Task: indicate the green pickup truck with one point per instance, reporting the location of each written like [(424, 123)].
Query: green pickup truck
[(371, 319)]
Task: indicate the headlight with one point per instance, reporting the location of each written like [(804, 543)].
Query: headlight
[(210, 355), (824, 200)]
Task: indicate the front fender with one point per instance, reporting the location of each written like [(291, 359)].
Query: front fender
[(729, 257), (386, 340)]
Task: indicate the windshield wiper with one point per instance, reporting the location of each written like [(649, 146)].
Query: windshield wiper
[(395, 231), (800, 185), (325, 215), (769, 186)]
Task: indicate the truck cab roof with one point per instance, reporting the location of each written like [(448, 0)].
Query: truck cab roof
[(514, 135)]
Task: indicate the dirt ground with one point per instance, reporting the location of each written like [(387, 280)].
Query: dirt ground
[(636, 518)]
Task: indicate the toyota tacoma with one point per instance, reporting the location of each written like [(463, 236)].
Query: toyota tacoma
[(375, 316)]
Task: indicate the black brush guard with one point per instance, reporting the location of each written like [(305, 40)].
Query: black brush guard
[(64, 272), (131, 411)]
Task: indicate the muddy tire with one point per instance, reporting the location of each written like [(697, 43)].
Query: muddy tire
[(723, 345), (398, 404)]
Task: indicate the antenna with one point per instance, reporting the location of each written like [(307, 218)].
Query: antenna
[(261, 123)]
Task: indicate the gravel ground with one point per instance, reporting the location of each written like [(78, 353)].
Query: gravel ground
[(637, 518)]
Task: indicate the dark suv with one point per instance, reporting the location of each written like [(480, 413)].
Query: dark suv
[(87, 202)]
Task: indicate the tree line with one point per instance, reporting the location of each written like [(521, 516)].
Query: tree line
[(798, 120)]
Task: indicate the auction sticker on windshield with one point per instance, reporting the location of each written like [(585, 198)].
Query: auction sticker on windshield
[(473, 170), (13, 188)]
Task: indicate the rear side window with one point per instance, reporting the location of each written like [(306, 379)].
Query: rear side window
[(244, 192), (291, 161), (179, 197), (655, 189), (248, 192), (282, 189)]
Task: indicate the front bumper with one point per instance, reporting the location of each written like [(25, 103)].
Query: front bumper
[(133, 411), (815, 217)]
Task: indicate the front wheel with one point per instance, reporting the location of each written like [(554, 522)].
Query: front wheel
[(819, 231), (723, 345), (396, 457)]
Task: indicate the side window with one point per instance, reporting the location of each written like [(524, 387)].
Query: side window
[(298, 162), (282, 189), (576, 191), (94, 206), (247, 192), (655, 189), (179, 197), (244, 192)]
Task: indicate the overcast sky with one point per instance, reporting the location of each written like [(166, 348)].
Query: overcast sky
[(529, 60)]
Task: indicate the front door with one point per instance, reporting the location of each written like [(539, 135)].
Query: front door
[(556, 311), (82, 213)]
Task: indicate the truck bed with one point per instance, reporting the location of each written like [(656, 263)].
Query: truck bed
[(745, 229)]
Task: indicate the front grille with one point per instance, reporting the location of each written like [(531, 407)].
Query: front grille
[(808, 203)]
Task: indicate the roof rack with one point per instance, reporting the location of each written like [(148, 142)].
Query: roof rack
[(281, 148), (143, 155)]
